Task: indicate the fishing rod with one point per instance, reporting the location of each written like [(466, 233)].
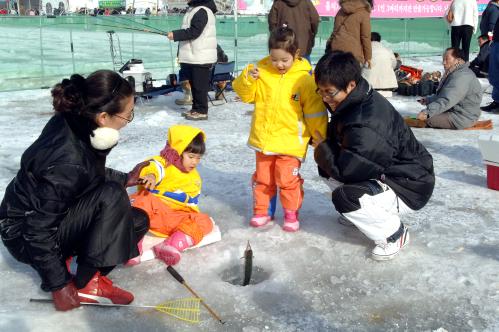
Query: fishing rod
[(116, 27), (135, 22)]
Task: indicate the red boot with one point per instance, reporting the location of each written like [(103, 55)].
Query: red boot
[(101, 290), (169, 250)]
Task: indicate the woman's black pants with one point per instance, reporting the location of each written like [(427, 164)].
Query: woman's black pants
[(102, 229)]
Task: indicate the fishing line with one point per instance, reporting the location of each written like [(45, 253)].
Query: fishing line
[(139, 23)]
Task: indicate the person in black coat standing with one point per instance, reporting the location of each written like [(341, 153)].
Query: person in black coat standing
[(376, 166), (493, 107), (64, 202), (489, 18)]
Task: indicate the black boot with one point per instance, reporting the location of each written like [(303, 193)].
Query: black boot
[(493, 107)]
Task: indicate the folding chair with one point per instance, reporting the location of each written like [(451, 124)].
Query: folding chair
[(222, 73)]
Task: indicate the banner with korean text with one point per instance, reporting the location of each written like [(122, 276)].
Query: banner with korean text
[(397, 8)]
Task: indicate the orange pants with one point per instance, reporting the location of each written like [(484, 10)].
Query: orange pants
[(272, 172), (165, 220)]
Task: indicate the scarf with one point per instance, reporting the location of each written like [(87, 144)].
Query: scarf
[(460, 63), (172, 157)]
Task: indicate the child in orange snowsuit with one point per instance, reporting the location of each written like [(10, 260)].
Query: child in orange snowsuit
[(287, 111), (169, 193)]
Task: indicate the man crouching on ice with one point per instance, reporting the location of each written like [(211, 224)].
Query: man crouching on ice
[(379, 169)]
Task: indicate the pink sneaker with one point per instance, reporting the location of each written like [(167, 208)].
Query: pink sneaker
[(169, 250), (291, 222), (259, 220), (135, 260)]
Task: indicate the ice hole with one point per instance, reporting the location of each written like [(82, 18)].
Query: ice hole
[(235, 275)]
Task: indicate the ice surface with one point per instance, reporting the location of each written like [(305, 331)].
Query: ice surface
[(319, 279)]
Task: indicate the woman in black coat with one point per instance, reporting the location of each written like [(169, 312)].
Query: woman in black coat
[(64, 202), (379, 169)]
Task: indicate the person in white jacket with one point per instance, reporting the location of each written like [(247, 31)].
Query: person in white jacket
[(464, 22), (381, 76)]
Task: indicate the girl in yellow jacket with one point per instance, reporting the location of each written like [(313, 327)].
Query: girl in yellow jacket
[(287, 111), (169, 194)]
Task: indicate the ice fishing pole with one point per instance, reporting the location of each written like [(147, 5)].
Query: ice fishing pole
[(181, 280), (139, 23), (116, 27), (129, 28)]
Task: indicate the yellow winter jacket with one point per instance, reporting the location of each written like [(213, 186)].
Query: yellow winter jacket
[(178, 190), (287, 108)]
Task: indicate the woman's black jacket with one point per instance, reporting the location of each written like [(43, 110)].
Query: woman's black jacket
[(56, 171)]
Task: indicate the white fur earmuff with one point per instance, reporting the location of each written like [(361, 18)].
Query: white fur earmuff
[(104, 138)]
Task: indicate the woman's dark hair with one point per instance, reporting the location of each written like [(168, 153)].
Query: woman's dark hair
[(101, 91), (197, 145), (337, 68), (283, 38)]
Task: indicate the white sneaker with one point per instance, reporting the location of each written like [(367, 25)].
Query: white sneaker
[(385, 250), (342, 220)]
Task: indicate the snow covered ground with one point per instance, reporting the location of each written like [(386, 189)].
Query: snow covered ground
[(319, 279)]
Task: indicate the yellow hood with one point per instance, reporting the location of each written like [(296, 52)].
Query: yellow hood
[(180, 136)]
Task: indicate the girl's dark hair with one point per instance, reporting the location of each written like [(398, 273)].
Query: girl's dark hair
[(283, 38), (101, 91), (337, 68), (197, 145)]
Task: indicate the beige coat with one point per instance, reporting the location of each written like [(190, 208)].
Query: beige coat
[(381, 74), (352, 29)]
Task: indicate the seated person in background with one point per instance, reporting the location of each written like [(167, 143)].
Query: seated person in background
[(456, 105), (398, 59), (480, 65), (221, 58), (381, 75)]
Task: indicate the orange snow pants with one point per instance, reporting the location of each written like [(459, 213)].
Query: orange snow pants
[(272, 172), (166, 220)]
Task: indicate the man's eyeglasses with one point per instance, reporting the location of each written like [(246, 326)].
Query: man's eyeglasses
[(130, 119), (327, 95)]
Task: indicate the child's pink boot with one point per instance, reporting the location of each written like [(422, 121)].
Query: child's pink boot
[(135, 260), (169, 250), (259, 220), (291, 223)]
